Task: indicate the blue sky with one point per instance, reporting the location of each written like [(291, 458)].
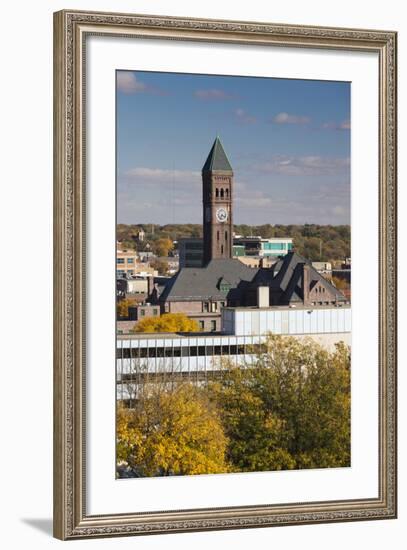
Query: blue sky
[(288, 142)]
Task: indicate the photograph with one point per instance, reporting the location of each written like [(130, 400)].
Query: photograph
[(225, 236), (232, 274)]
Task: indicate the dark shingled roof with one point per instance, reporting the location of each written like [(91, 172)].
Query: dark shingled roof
[(192, 283), (288, 279), (284, 280), (217, 159)]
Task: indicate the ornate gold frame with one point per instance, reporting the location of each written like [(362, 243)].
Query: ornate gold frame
[(70, 31)]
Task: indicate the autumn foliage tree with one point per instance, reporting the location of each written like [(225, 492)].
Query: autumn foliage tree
[(340, 284), (171, 432), (288, 409), (122, 307), (326, 243), (160, 265), (163, 246), (168, 322)]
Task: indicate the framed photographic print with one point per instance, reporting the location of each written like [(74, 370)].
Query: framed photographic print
[(225, 274)]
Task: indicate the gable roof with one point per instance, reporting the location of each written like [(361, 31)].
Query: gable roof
[(202, 283), (288, 280), (284, 280), (217, 159)]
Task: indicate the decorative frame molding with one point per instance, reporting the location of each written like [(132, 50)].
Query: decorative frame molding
[(70, 31)]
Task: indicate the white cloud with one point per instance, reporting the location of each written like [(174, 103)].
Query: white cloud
[(244, 117), (304, 166), (247, 197), (339, 210), (286, 118), (128, 83), (344, 125), (255, 202), (161, 176), (212, 94)]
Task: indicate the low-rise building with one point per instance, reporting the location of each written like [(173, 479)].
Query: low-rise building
[(146, 255), (142, 311), (134, 285), (126, 262), (201, 293), (191, 251), (257, 261), (325, 268), (273, 247), (146, 357)]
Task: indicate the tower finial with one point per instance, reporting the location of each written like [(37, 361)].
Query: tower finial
[(217, 159)]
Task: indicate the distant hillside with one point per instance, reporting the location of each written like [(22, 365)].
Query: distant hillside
[(315, 242)]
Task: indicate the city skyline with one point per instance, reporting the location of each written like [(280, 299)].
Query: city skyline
[(288, 142)]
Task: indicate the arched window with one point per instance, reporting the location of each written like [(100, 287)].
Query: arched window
[(217, 235), (221, 249), (227, 193), (226, 236), (221, 193), (217, 192)]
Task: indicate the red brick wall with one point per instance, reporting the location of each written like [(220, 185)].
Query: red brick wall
[(185, 307)]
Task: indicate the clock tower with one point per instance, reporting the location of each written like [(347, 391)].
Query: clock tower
[(217, 192)]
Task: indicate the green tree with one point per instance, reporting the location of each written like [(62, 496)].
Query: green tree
[(257, 437), (328, 243), (171, 433), (289, 409), (168, 322)]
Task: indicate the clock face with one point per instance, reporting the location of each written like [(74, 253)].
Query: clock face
[(221, 215)]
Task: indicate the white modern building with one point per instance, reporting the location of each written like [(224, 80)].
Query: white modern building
[(143, 357)]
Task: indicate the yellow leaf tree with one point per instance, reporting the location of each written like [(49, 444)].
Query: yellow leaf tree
[(174, 432), (162, 247), (123, 307), (169, 322)]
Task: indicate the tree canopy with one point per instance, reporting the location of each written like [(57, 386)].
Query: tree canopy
[(161, 265), (162, 246), (168, 322), (289, 409), (171, 433), (122, 307), (327, 243)]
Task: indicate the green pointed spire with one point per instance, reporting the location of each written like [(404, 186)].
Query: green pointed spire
[(217, 159)]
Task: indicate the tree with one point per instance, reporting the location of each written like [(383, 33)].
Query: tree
[(340, 283), (160, 265), (122, 308), (257, 437), (171, 433), (288, 409), (328, 243), (163, 246), (168, 322)]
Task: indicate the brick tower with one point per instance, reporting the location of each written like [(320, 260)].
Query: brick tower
[(217, 192)]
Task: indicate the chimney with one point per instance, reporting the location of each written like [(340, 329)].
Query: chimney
[(150, 285), (263, 296), (305, 284)]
